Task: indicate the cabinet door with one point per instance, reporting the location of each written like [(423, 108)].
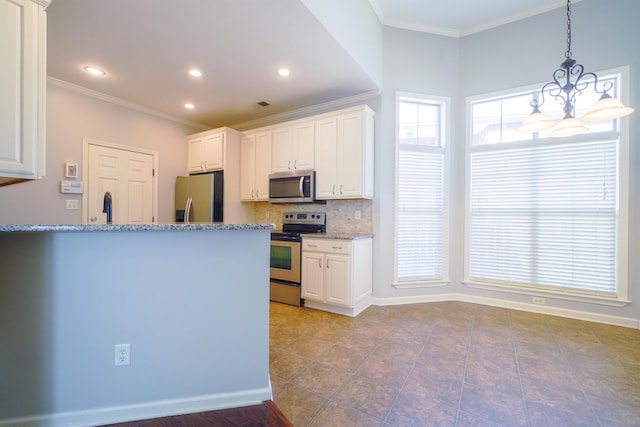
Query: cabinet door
[(247, 167), (22, 85), (312, 276), (350, 159), (262, 165), (196, 150), (336, 280), (281, 150), (325, 157), (214, 152), (303, 146)]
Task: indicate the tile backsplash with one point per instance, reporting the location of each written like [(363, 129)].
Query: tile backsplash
[(341, 214)]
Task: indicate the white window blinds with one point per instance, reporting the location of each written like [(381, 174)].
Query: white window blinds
[(420, 206), (545, 215)]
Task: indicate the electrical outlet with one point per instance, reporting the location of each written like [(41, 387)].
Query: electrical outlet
[(538, 300), (71, 205), (268, 214), (123, 354), (358, 215)]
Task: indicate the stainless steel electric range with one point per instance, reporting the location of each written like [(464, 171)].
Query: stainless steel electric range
[(286, 251)]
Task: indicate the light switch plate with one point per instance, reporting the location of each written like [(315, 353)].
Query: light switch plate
[(71, 205)]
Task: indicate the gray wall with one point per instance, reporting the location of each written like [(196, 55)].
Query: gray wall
[(197, 325), (72, 116), (518, 54)]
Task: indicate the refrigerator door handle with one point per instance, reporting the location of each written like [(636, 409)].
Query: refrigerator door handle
[(187, 210)]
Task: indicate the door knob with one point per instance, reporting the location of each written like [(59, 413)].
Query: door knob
[(93, 219)]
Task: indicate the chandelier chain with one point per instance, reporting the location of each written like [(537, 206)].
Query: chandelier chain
[(568, 53)]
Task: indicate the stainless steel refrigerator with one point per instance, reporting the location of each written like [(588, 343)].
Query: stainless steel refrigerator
[(199, 197)]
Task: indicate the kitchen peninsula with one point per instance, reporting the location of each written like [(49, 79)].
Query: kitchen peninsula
[(191, 301)]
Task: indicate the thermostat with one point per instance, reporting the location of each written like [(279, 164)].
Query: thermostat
[(72, 187)]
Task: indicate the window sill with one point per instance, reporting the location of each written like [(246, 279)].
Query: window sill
[(590, 299), (421, 284)]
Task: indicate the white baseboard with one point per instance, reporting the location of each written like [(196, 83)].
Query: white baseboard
[(627, 322), (163, 408)]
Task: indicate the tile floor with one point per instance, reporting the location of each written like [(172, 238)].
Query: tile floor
[(452, 364)]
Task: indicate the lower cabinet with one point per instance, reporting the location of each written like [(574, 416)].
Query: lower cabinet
[(336, 274)]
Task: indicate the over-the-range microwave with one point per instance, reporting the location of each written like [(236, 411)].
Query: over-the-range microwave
[(292, 187)]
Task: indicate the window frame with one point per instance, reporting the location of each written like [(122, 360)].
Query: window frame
[(445, 133), (622, 243)]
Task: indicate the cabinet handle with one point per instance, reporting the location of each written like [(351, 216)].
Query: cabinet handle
[(289, 165), (257, 193), (333, 190), (327, 263), (295, 164), (252, 194), (336, 247), (320, 263), (341, 189), (312, 246)]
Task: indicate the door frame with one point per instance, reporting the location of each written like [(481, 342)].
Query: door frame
[(86, 142)]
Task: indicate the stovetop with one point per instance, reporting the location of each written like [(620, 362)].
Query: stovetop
[(296, 223)]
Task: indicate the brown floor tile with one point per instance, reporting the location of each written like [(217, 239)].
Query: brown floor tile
[(309, 347), (373, 398), (321, 379), (335, 414), (489, 404), (298, 405), (342, 358), (612, 412), (434, 386), (555, 395), (285, 365), (545, 416), (413, 410), (451, 363)]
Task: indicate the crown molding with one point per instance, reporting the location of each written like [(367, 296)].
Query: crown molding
[(43, 3), (122, 103), (307, 111)]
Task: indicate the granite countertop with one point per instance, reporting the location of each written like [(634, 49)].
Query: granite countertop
[(338, 236), (137, 227)]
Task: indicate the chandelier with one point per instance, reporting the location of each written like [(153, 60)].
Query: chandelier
[(565, 90)]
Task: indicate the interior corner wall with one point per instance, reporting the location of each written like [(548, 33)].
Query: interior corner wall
[(72, 116), (355, 26), (517, 54)]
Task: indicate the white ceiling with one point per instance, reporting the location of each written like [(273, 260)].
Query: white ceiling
[(147, 47)]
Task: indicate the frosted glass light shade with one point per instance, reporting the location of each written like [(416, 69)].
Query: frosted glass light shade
[(607, 108), (536, 122), (568, 127)]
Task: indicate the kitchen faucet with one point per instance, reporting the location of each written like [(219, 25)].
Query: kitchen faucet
[(107, 206)]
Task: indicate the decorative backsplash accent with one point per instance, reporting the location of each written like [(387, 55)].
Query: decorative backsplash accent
[(341, 214)]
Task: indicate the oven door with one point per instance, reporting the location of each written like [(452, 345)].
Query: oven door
[(285, 261)]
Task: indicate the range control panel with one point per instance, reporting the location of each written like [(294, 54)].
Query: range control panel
[(304, 218)]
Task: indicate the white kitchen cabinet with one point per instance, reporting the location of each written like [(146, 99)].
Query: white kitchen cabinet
[(207, 150), (336, 274), (293, 146), (344, 154), (22, 90), (255, 164)]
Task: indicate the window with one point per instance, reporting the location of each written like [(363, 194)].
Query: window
[(545, 213), (421, 217)]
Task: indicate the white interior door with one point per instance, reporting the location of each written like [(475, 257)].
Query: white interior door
[(128, 176)]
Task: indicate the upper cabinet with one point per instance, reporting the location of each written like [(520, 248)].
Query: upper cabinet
[(207, 150), (344, 154), (255, 163), (293, 146), (22, 90)]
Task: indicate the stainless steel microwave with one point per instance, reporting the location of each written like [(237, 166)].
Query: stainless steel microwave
[(292, 187)]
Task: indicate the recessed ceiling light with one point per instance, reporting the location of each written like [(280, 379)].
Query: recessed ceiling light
[(195, 73), (94, 71), (189, 106), (284, 72)]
